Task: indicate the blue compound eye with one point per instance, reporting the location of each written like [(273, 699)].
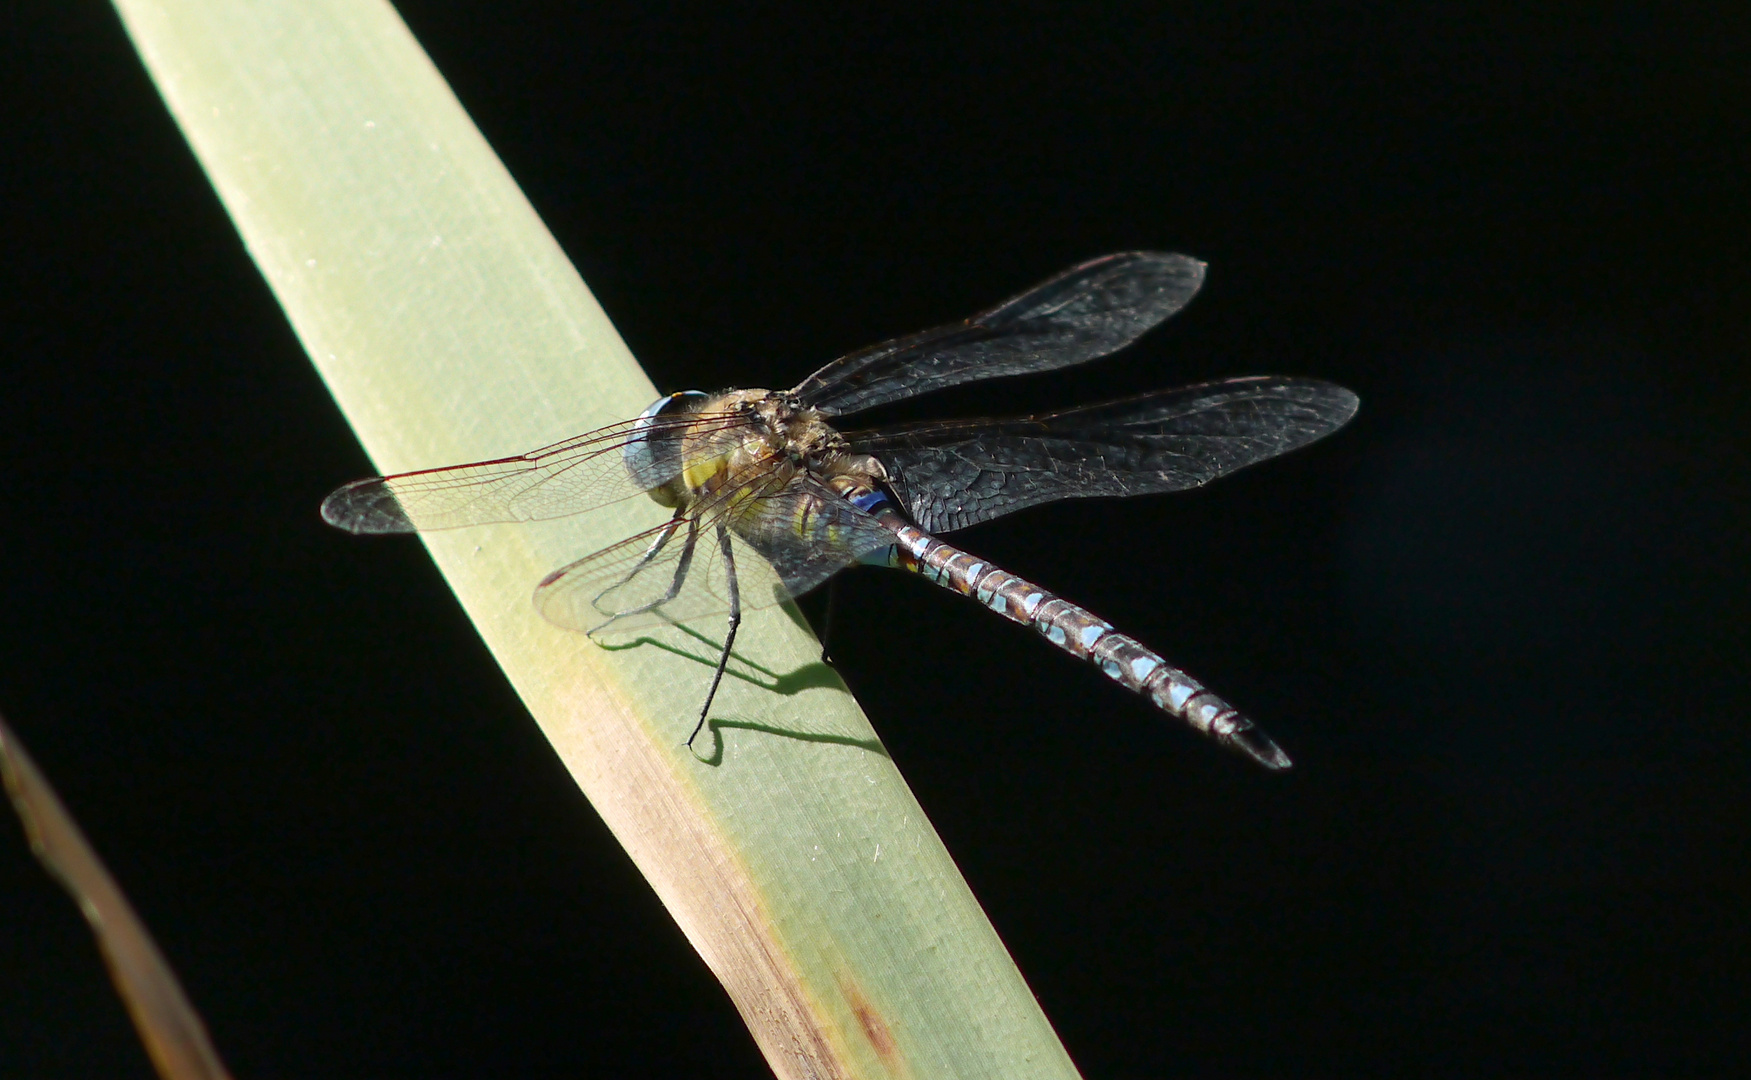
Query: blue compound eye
[(649, 460), (670, 401)]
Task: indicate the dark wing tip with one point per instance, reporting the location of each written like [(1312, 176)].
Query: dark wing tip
[(1335, 404), (1172, 261), (1163, 269), (1141, 288), (1342, 403), (1164, 262), (366, 507), (1137, 288)]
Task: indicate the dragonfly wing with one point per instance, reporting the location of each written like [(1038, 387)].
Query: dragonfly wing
[(953, 474), (786, 539), (570, 477), (806, 532), (638, 584), (1086, 312)]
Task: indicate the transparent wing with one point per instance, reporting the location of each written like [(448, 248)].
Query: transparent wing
[(570, 477), (1087, 311), (787, 536), (953, 474), (806, 531), (635, 585)]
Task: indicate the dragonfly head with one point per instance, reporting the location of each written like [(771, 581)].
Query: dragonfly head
[(652, 458)]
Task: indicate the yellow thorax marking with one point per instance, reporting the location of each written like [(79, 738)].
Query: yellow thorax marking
[(704, 473)]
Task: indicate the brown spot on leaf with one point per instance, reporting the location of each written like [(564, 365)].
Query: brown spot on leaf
[(875, 1029)]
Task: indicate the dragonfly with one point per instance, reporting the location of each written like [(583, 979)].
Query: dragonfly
[(770, 495)]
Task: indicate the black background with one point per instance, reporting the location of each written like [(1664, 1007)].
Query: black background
[(1500, 621)]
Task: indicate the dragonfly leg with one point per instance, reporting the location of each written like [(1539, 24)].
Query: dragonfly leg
[(735, 621), (656, 548), (681, 566)]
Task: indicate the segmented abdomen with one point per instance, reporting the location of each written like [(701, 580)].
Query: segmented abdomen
[(1082, 633)]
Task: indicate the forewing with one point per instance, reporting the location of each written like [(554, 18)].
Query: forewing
[(570, 477), (954, 474), (1086, 312)]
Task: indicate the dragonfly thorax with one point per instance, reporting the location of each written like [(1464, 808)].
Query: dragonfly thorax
[(705, 444)]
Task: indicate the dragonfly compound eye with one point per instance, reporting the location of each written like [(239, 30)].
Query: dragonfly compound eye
[(652, 451)]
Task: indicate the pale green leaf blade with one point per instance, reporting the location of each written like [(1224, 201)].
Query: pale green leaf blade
[(450, 327)]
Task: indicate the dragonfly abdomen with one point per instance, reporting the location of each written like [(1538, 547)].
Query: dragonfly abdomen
[(1084, 634)]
